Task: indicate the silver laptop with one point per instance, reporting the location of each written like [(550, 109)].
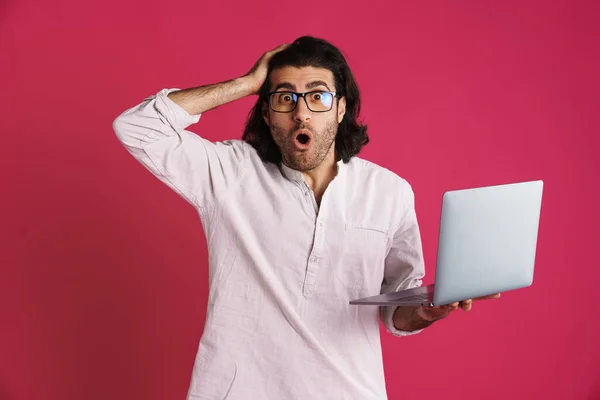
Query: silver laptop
[(487, 245)]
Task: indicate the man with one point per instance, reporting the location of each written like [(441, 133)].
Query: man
[(296, 225)]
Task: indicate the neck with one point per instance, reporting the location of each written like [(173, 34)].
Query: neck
[(319, 178)]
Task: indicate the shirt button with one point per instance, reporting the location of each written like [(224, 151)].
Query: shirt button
[(313, 259)]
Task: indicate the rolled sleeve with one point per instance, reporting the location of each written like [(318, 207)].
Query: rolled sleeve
[(201, 171), (176, 116)]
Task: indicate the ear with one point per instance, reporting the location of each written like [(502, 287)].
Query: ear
[(341, 109), (265, 113)]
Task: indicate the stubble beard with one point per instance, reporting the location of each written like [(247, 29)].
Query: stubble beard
[(311, 158)]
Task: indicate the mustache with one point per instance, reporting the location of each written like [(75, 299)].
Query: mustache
[(302, 126)]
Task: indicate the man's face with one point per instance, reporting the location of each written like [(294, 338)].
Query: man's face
[(305, 138)]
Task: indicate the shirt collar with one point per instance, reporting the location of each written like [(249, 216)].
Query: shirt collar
[(295, 175)]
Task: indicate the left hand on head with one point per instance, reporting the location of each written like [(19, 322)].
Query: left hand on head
[(438, 312)]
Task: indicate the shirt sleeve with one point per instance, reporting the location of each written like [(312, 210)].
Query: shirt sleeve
[(404, 265), (200, 171)]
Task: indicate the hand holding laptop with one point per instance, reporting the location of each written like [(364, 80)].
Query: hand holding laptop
[(434, 313), (411, 318)]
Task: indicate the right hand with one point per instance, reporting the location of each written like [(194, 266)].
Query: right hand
[(258, 73)]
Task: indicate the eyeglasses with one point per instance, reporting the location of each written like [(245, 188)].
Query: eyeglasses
[(317, 101)]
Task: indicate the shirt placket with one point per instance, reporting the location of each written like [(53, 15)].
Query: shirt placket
[(315, 256)]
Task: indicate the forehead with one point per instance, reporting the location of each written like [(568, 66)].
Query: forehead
[(301, 77)]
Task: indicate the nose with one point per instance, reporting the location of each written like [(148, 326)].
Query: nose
[(301, 113)]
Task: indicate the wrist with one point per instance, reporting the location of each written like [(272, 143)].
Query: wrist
[(250, 83), (422, 315), (411, 319)]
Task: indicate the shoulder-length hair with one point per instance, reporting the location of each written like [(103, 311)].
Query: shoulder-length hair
[(308, 51)]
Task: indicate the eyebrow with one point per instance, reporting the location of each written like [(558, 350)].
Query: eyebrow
[(311, 85)]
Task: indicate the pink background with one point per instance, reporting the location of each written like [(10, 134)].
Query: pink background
[(103, 269)]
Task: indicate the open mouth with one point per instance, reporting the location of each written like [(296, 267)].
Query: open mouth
[(302, 138)]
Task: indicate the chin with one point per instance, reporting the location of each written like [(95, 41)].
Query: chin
[(300, 164)]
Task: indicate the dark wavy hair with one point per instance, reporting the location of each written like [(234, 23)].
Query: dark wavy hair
[(308, 51)]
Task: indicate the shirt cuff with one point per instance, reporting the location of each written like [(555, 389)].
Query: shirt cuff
[(175, 115), (388, 321), (387, 314)]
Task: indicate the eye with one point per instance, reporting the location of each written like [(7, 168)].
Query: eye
[(285, 98)]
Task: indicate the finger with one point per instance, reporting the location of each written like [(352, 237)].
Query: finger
[(280, 48), (466, 305), (453, 306)]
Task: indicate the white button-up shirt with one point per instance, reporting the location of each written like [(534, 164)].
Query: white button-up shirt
[(282, 269)]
